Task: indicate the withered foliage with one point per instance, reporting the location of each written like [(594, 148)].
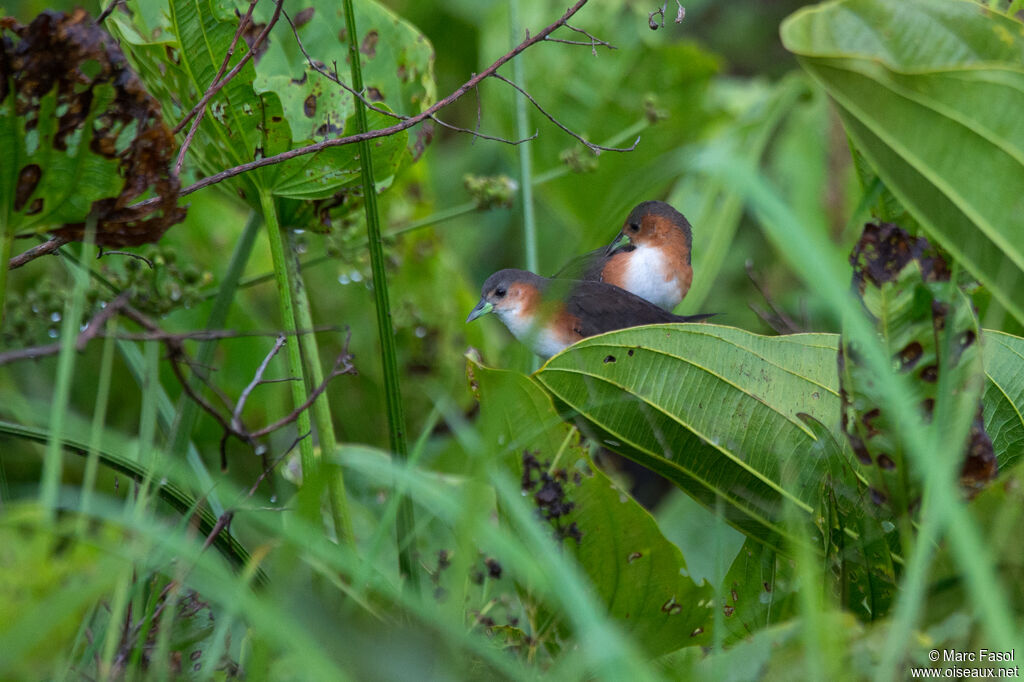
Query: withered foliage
[(888, 259), (69, 53)]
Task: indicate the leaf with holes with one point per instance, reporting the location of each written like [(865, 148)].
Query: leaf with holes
[(80, 136), (278, 101), (639, 574), (929, 329), (931, 93), (713, 409)]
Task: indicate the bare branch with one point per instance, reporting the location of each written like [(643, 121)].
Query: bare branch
[(777, 319), (92, 329), (390, 130), (476, 134), (199, 110), (108, 10), (334, 78), (236, 417), (596, 148), (593, 42), (343, 365), (46, 248), (140, 257)]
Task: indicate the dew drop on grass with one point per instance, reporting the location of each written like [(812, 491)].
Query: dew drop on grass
[(421, 332), (55, 317), (52, 333), (343, 279)]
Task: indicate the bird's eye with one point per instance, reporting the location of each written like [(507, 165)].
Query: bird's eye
[(634, 227), (500, 292)]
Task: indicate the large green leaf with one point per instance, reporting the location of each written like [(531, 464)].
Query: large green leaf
[(280, 102), (930, 91), (1003, 398), (713, 409), (638, 573), (721, 412)]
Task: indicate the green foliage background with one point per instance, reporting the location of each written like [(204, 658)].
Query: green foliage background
[(768, 558)]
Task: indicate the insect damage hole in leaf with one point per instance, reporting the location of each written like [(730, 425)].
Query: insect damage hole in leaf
[(88, 139)]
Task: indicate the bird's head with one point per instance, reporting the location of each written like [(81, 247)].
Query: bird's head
[(512, 295), (654, 224)]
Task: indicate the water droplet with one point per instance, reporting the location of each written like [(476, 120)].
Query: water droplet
[(613, 443), (357, 276), (343, 279), (273, 499), (298, 231), (55, 317), (52, 333), (421, 331), (260, 450)]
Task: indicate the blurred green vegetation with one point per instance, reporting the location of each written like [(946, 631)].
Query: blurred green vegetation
[(719, 83)]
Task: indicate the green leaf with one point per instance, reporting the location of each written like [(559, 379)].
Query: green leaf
[(713, 409), (1003, 398), (281, 102), (908, 78), (721, 411), (755, 594), (639, 575)]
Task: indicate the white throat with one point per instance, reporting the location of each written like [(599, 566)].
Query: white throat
[(645, 277)]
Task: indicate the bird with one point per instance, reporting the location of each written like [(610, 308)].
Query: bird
[(649, 257), (549, 315)]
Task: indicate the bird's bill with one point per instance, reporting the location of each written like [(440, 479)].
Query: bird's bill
[(482, 308), (621, 240)]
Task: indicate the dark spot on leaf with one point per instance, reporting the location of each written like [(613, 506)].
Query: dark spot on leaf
[(767, 587), (930, 374), (28, 180), (633, 556), (696, 632), (928, 407), (885, 462), (493, 568), (403, 73), (940, 310), (249, 35), (300, 81), (343, 35), (630, 353), (728, 610), (172, 54), (196, 654), (609, 358), (910, 356), (877, 496), (735, 597), (980, 465), (369, 45), (869, 421), (374, 95), (309, 106), (859, 449), (36, 207), (303, 17)]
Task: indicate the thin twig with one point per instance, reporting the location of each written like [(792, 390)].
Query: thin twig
[(92, 329), (101, 253), (236, 417), (390, 130), (777, 319), (476, 134), (200, 109), (593, 42), (596, 148), (47, 247), (334, 78), (108, 10)]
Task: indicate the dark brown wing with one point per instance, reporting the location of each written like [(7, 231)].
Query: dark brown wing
[(585, 267), (601, 307)]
